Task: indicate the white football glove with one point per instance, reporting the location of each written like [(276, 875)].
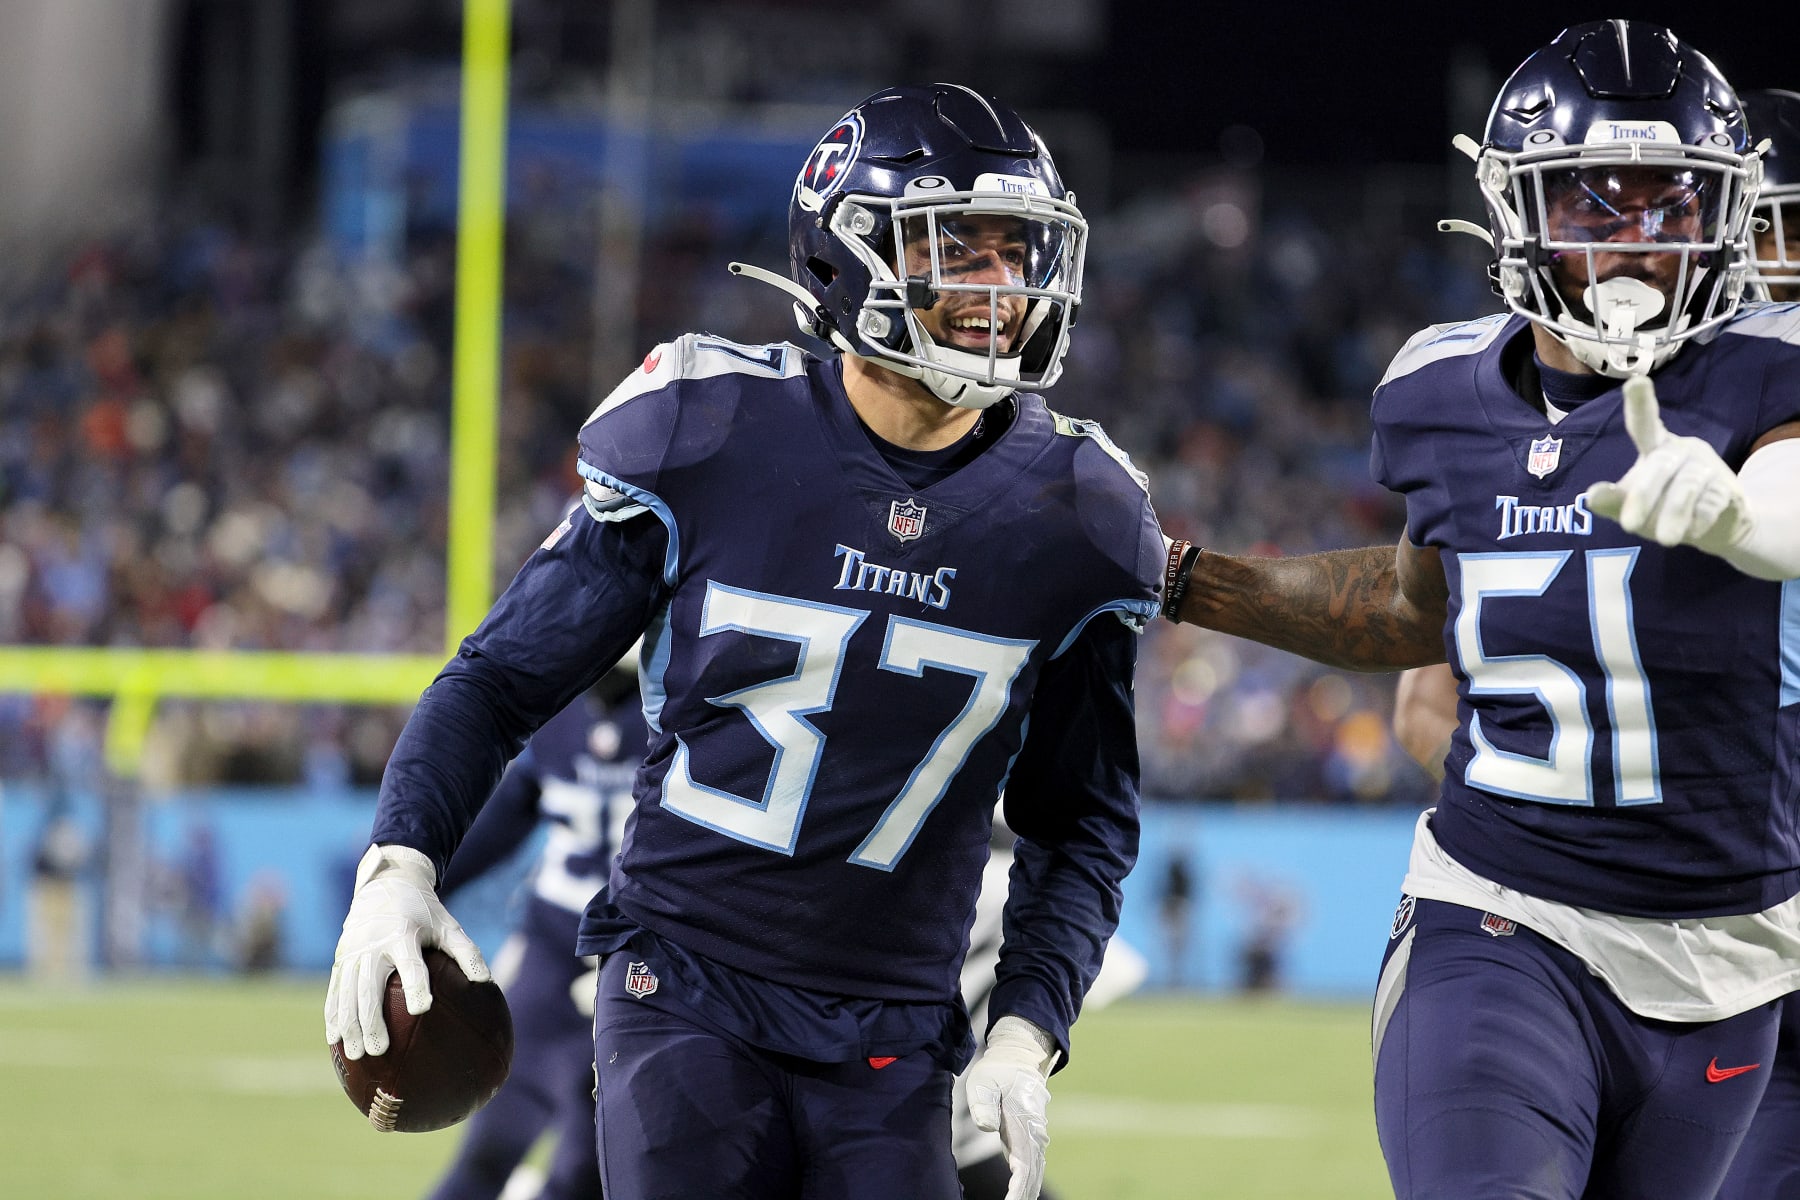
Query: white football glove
[(1008, 1091), (394, 914), (1679, 492)]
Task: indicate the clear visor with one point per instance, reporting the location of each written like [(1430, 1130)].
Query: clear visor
[(964, 249), (1621, 249), (1630, 206)]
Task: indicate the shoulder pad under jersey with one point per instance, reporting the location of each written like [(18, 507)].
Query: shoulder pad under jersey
[(1436, 342), (692, 356), (1780, 321), (1072, 427)]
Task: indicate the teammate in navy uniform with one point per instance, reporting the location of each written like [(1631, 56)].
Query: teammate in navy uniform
[(1774, 117), (980, 1155), (574, 779), (1767, 1166), (874, 589), (1581, 992)]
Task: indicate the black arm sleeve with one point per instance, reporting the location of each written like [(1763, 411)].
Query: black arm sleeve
[(573, 610), (1073, 800), (501, 827)]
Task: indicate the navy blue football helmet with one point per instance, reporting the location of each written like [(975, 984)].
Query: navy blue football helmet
[(1617, 140), (882, 224), (1774, 118)]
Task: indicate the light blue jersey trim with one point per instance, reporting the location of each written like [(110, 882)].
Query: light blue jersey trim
[(653, 666), (1779, 321), (1135, 613), (649, 500), (1073, 427), (1439, 342), (1789, 640)]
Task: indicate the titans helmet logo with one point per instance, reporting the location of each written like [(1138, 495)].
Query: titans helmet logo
[(832, 157)]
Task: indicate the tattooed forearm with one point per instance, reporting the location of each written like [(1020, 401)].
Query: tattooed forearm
[(1343, 608)]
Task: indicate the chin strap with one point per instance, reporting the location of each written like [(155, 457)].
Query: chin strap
[(808, 313), (953, 390)]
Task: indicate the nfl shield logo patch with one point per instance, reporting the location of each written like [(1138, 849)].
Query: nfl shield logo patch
[(1498, 926), (906, 520), (639, 981), (1545, 453)]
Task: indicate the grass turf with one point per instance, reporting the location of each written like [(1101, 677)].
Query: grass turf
[(200, 1090)]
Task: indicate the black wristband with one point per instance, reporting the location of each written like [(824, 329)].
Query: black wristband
[(1180, 569)]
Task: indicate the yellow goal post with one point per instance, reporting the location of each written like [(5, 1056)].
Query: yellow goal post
[(137, 679)]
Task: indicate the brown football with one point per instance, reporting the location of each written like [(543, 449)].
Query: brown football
[(441, 1065)]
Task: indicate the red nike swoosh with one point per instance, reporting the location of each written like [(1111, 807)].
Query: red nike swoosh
[(1717, 1074)]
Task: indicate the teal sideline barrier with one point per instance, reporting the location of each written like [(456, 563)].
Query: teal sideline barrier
[(1310, 890), (296, 845), (1297, 896)]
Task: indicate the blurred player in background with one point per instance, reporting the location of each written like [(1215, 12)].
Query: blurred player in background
[(1775, 116), (980, 1157), (873, 588), (1425, 716), (1581, 993), (1767, 1166), (575, 779)]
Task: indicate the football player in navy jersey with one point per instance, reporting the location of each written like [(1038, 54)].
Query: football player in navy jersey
[(1581, 993), (1767, 1166), (574, 778), (1774, 117), (874, 588)]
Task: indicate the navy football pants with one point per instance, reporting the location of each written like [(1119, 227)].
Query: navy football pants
[(1767, 1166), (1506, 1071), (689, 1114), (551, 1087)]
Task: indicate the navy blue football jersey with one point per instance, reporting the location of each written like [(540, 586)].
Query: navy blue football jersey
[(575, 778), (841, 679), (1630, 730), (840, 674)]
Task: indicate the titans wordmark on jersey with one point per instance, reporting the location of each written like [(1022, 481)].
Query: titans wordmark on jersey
[(837, 698), (1631, 714)]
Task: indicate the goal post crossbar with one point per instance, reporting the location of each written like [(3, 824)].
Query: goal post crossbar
[(136, 679)]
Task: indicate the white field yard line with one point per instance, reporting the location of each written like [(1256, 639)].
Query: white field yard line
[(285, 1075), (273, 1075), (1136, 1116)]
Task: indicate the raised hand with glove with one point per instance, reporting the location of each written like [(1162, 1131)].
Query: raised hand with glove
[(1680, 492), (1009, 1091), (394, 914)]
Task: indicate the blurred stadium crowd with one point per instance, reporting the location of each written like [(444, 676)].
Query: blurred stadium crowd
[(222, 439), (218, 440)]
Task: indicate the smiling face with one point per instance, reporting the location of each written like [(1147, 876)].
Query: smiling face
[(975, 251)]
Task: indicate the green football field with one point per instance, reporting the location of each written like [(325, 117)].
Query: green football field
[(224, 1091)]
